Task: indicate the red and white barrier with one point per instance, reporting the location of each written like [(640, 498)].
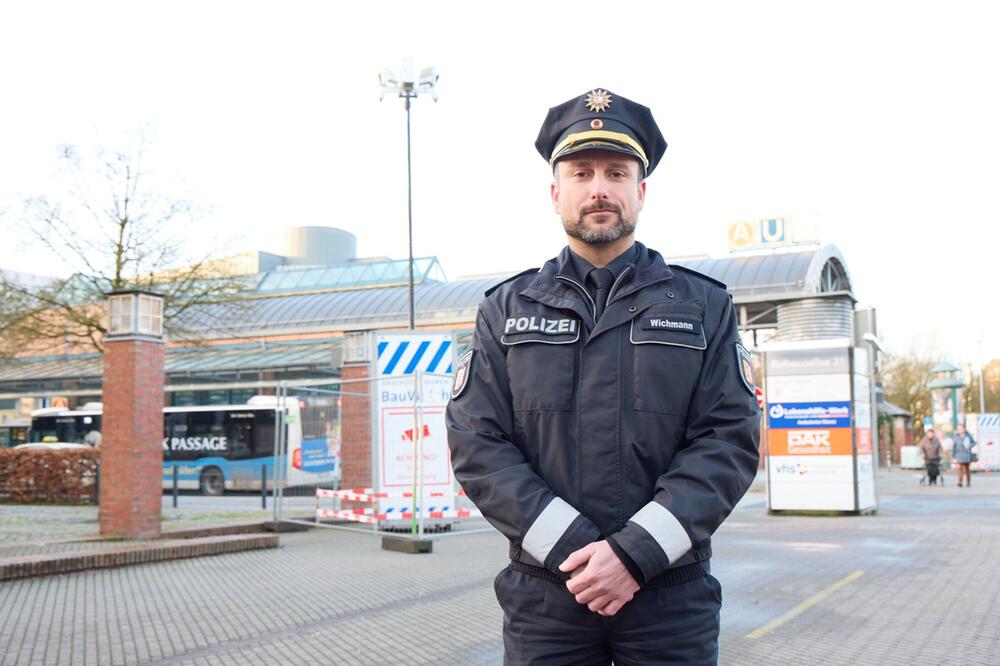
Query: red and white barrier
[(372, 516), (369, 495), (369, 517)]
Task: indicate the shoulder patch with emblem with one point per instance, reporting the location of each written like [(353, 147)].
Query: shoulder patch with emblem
[(745, 362), (462, 371)]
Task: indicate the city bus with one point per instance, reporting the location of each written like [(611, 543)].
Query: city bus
[(13, 433), (222, 447)]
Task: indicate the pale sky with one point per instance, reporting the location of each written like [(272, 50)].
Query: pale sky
[(880, 119)]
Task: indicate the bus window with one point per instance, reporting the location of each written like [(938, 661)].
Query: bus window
[(194, 435), (263, 434), (239, 428), (228, 434), (63, 427), (12, 435)]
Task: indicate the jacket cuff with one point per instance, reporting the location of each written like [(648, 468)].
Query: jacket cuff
[(558, 531), (627, 560), (654, 539)]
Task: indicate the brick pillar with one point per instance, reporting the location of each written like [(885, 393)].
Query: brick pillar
[(132, 438), (355, 428)]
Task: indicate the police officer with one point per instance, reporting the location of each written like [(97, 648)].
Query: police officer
[(604, 418)]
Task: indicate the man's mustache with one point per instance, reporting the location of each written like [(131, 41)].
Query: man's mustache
[(602, 208)]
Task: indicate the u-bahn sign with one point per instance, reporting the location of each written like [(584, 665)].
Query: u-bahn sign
[(771, 232)]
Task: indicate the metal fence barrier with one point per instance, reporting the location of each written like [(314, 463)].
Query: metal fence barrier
[(419, 509)]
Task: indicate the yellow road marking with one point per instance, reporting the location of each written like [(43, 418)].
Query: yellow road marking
[(805, 605)]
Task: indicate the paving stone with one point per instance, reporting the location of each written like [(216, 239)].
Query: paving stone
[(927, 595)]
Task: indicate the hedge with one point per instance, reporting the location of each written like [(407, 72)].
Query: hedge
[(66, 476)]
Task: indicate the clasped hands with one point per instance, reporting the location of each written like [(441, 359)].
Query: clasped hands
[(598, 579)]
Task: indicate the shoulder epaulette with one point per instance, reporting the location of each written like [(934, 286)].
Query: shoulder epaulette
[(512, 277), (699, 275)]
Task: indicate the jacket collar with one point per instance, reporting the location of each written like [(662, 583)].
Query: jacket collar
[(648, 265), (556, 285)]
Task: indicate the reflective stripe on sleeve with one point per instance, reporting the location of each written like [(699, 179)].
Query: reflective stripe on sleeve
[(665, 529), (550, 525)]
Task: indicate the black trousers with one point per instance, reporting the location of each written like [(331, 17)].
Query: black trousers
[(545, 626)]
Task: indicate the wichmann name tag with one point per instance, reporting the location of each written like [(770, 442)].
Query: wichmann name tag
[(671, 324)]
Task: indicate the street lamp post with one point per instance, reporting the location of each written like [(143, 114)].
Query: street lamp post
[(407, 86)]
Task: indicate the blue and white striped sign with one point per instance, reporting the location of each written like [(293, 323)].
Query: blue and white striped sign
[(399, 355)]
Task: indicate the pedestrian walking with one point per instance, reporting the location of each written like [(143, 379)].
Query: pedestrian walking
[(605, 418), (931, 451), (963, 454)]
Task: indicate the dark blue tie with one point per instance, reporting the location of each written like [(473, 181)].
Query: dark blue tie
[(601, 279)]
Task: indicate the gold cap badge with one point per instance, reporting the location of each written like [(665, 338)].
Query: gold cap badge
[(598, 100)]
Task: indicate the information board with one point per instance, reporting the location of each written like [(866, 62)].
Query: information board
[(819, 427), (409, 434)]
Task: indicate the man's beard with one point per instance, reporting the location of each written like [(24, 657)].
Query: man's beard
[(603, 235)]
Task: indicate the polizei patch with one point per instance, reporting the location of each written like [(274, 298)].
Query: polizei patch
[(537, 324), (745, 362), (678, 324), (462, 371)]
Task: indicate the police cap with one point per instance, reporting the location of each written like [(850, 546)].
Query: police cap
[(605, 121)]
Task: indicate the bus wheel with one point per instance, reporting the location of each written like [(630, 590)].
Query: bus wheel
[(211, 482)]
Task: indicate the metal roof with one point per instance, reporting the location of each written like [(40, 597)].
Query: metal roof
[(782, 276), (758, 280), (340, 310), (893, 410), (192, 361), (51, 367)]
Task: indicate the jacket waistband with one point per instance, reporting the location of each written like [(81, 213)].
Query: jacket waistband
[(669, 578)]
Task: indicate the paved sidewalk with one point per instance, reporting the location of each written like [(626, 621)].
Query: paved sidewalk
[(915, 584), (36, 528)]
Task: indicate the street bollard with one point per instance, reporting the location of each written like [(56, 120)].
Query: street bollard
[(263, 487), (175, 486)]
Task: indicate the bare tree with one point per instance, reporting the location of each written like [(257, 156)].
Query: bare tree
[(905, 377), (991, 394), (110, 226)]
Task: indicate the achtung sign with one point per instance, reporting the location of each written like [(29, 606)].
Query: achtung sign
[(771, 232)]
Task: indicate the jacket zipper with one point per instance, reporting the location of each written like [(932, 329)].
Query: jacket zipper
[(625, 271), (582, 290), (579, 380)]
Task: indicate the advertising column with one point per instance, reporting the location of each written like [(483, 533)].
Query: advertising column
[(809, 392)]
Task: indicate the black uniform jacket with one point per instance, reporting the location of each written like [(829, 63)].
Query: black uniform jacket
[(640, 428)]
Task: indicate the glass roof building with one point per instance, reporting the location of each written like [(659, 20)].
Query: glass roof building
[(292, 322)]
